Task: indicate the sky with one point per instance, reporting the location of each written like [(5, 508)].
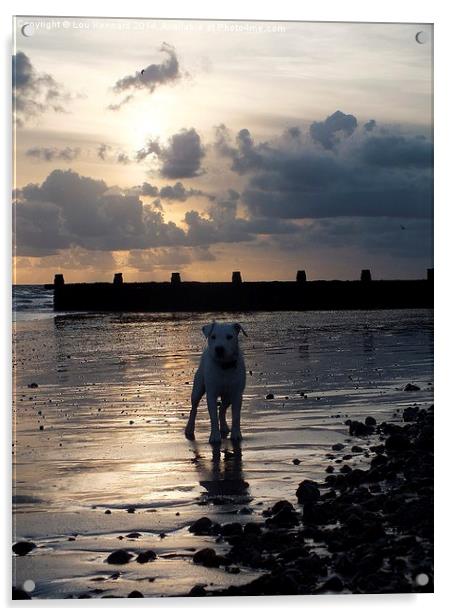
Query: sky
[(153, 146)]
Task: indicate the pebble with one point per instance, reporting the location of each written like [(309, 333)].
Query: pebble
[(21, 548), (119, 557)]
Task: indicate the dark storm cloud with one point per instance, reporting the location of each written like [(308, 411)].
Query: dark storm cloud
[(68, 210), (176, 192), (51, 154), (328, 132), (370, 125), (34, 93), (366, 174), (181, 157), (150, 77), (387, 236)]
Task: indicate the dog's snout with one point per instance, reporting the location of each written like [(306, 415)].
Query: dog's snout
[(219, 350)]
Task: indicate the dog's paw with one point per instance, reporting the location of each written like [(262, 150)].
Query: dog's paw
[(189, 434), (224, 430), (215, 438), (236, 435)]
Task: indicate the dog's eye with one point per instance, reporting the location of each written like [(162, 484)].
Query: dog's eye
[(213, 337), (229, 337)]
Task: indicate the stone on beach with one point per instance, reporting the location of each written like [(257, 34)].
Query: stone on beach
[(201, 526), (411, 387), (21, 548), (308, 492), (207, 557), (145, 557), (119, 557)]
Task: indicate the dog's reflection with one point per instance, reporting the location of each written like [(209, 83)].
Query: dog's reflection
[(221, 474)]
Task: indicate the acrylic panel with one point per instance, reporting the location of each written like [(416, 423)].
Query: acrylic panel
[(222, 308)]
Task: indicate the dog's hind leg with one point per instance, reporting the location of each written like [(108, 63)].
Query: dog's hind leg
[(215, 435), (236, 435), (224, 428), (197, 393)]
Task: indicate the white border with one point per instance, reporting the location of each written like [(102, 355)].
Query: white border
[(428, 11)]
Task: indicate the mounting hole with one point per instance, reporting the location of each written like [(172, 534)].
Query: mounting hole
[(29, 585), (422, 579), (28, 30), (421, 37)]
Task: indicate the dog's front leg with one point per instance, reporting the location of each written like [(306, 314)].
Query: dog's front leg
[(215, 436), (196, 395), (236, 408)]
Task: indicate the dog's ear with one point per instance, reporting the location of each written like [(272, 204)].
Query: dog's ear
[(238, 328), (207, 329)]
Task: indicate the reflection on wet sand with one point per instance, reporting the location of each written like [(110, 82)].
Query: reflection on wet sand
[(222, 475)]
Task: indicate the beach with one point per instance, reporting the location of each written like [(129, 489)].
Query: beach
[(100, 405)]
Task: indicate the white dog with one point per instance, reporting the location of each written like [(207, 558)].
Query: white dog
[(221, 374)]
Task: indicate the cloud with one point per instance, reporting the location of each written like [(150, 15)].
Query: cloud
[(181, 157), (34, 93), (71, 210), (370, 125), (68, 210), (51, 154), (123, 159), (368, 174), (151, 77), (102, 151), (328, 132), (168, 258), (176, 192)]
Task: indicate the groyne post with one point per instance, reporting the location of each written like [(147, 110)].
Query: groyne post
[(301, 276), (117, 279), (366, 275), (236, 278), (175, 278)]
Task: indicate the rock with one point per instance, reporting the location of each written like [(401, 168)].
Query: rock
[(378, 460), (145, 557), (338, 447), (345, 469), (329, 469), (334, 584), (370, 421), (252, 528), (206, 557), (201, 526), (33, 385), (296, 461), (308, 492), (135, 594), (119, 557), (198, 591), (133, 535), (233, 528), (107, 511), (270, 396), (357, 449), (131, 510), (280, 506), (358, 428), (285, 518), (21, 548), (397, 442), (410, 413), (19, 595), (411, 387)]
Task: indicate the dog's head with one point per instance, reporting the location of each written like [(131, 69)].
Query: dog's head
[(223, 340)]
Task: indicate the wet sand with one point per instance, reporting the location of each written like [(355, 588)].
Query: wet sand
[(103, 431)]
